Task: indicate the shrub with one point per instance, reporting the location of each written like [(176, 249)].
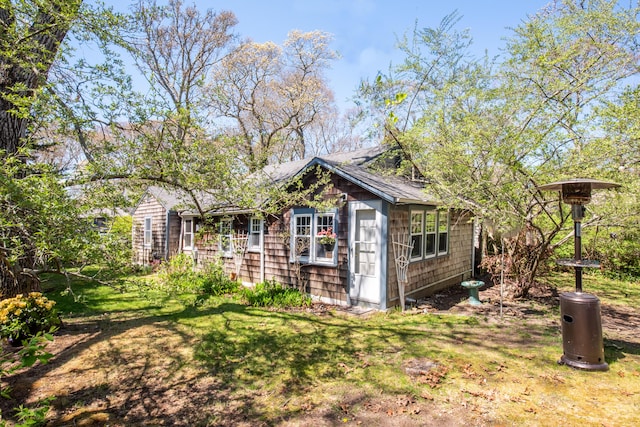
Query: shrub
[(214, 280), (270, 293), (179, 275), (22, 317), (32, 352)]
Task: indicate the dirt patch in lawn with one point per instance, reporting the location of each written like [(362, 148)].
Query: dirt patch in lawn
[(619, 322), (131, 374), (121, 371)]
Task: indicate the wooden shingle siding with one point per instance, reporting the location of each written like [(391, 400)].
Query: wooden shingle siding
[(348, 183), (158, 204), (149, 207), (175, 228), (328, 282), (428, 276), (320, 281)]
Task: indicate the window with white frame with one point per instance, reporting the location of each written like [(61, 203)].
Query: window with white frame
[(430, 232), (147, 233), (188, 233), (255, 231), (314, 237), (225, 239), (325, 237), (443, 232), (302, 236), (417, 233)]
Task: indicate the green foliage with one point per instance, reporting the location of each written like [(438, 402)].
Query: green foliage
[(620, 255), (32, 351), (553, 107), (23, 316), (616, 248), (179, 275), (38, 219), (32, 417), (114, 248), (215, 281), (270, 293)]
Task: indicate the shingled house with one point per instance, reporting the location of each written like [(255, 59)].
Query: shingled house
[(371, 205), (156, 226)]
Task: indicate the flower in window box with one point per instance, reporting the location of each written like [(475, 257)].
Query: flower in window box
[(326, 237)]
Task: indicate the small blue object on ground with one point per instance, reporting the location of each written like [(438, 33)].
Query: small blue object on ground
[(473, 286)]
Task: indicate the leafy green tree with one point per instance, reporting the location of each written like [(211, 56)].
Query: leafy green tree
[(31, 200), (485, 134), (51, 101)]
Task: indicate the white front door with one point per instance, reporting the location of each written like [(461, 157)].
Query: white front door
[(365, 252)]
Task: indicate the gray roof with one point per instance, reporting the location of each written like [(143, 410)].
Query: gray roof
[(284, 171), (169, 199), (392, 188), (354, 167)]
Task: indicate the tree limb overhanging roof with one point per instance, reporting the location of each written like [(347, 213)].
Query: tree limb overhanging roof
[(354, 166)]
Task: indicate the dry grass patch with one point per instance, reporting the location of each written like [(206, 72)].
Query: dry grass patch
[(226, 364)]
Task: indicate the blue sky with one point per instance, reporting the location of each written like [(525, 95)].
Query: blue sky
[(365, 31)]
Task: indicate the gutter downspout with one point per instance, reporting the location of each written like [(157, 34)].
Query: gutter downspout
[(166, 236), (181, 233), (473, 247), (262, 267)]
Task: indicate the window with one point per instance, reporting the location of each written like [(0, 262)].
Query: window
[(429, 233), (325, 237), (225, 243), (416, 234), (443, 232), (255, 230), (101, 224), (302, 236), (188, 235), (314, 238), (147, 235)]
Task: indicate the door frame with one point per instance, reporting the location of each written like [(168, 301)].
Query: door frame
[(381, 254)]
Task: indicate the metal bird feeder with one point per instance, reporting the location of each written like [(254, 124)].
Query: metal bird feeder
[(580, 312)]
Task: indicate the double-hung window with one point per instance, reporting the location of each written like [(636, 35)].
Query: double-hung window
[(255, 231), (225, 239), (429, 230), (314, 236), (302, 236), (417, 225), (188, 233), (443, 232), (147, 234)]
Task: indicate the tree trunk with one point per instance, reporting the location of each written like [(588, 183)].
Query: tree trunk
[(16, 278), (25, 61)]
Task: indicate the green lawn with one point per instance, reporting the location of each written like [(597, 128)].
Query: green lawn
[(134, 355)]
